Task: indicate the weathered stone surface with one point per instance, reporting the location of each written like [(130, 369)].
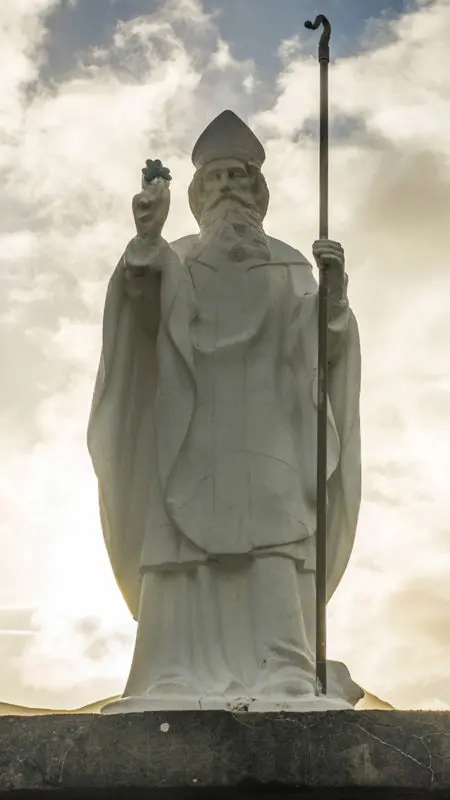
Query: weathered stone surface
[(335, 754)]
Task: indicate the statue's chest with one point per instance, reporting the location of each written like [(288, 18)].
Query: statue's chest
[(233, 303)]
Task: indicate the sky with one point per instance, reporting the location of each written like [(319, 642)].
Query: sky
[(88, 90)]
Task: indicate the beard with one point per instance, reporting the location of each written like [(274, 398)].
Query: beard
[(233, 224)]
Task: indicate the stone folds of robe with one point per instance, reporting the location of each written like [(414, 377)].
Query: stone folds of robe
[(203, 428)]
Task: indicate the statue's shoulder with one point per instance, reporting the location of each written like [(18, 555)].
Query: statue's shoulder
[(281, 251), (182, 245)]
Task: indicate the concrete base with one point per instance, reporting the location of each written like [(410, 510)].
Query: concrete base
[(333, 754)]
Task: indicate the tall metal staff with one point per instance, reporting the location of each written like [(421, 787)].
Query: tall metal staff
[(322, 412)]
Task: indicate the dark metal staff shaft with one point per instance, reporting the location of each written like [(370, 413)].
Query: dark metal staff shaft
[(322, 377)]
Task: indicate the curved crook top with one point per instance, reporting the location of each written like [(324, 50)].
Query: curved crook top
[(324, 48)]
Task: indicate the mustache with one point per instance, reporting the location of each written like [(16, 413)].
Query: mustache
[(235, 196)]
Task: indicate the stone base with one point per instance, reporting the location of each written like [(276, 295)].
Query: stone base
[(335, 754)]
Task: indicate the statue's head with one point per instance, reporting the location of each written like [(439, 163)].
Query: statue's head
[(228, 159)]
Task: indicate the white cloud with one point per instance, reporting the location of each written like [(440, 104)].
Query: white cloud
[(249, 83), (22, 33), (222, 57), (70, 164)]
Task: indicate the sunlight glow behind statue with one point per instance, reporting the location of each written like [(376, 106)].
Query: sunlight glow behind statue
[(203, 437)]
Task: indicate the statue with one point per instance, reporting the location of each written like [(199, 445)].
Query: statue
[(203, 439)]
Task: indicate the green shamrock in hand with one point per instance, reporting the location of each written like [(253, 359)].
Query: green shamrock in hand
[(155, 169)]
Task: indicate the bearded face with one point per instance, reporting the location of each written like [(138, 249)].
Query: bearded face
[(229, 200)]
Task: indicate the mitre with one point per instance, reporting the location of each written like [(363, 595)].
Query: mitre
[(227, 136)]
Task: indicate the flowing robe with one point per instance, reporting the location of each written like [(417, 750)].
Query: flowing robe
[(203, 425)]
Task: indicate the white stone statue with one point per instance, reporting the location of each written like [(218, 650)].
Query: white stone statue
[(203, 438)]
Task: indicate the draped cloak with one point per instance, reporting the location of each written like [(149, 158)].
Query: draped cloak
[(145, 401)]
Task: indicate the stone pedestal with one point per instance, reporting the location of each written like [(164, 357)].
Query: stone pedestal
[(345, 754)]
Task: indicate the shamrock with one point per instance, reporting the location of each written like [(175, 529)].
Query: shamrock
[(155, 169)]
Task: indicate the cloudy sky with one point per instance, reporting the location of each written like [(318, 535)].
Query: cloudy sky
[(88, 90)]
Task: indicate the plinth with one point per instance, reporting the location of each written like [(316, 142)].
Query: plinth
[(343, 754)]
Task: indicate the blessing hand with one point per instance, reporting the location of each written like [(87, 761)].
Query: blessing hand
[(150, 209)]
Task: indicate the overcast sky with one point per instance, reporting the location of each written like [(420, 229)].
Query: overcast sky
[(88, 91)]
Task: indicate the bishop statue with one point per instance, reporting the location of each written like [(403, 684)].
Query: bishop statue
[(203, 439)]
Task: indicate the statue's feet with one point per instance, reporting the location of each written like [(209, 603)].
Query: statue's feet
[(291, 689), (167, 695), (295, 689), (136, 705), (286, 690)]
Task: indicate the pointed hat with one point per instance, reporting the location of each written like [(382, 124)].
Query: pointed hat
[(227, 136)]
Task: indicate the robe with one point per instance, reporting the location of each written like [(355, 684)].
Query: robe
[(144, 407), (203, 423)]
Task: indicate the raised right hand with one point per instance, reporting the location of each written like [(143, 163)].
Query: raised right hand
[(150, 210)]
